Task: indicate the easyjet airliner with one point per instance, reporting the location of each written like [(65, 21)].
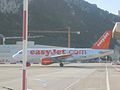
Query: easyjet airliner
[(60, 55)]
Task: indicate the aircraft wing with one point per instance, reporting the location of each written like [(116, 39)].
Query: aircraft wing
[(54, 58), (61, 56), (106, 52)]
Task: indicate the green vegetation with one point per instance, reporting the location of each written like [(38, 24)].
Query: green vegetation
[(57, 15)]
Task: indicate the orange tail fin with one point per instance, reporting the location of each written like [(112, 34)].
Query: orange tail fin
[(104, 41)]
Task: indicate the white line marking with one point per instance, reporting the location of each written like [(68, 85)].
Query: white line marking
[(71, 85), (116, 68), (42, 81), (107, 79)]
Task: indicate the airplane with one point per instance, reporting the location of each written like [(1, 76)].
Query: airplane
[(47, 56)]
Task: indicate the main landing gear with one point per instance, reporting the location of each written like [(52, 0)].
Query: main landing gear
[(28, 64), (61, 64)]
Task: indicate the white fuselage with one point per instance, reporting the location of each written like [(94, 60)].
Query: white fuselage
[(35, 55)]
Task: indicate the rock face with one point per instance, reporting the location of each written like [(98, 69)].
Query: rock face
[(10, 6), (80, 15)]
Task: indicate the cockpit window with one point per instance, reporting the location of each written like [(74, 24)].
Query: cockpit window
[(20, 52)]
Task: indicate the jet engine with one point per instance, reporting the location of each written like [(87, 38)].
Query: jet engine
[(47, 61)]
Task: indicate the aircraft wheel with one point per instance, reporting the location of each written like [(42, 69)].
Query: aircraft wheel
[(61, 64)]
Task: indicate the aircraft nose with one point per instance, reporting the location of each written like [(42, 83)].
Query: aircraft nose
[(15, 56)]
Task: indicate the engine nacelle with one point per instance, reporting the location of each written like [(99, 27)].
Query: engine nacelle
[(47, 61)]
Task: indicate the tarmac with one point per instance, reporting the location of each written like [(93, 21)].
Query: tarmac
[(74, 76)]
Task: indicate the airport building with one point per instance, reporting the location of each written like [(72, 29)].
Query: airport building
[(119, 12), (116, 30), (6, 51)]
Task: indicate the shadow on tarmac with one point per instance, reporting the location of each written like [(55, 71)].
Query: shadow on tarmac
[(82, 67)]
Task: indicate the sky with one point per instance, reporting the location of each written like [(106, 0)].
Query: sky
[(110, 5)]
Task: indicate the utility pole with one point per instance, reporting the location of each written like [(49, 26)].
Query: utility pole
[(69, 38), (3, 37), (77, 36), (3, 40), (25, 34)]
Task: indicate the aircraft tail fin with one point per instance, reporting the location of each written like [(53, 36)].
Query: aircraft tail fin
[(104, 41)]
